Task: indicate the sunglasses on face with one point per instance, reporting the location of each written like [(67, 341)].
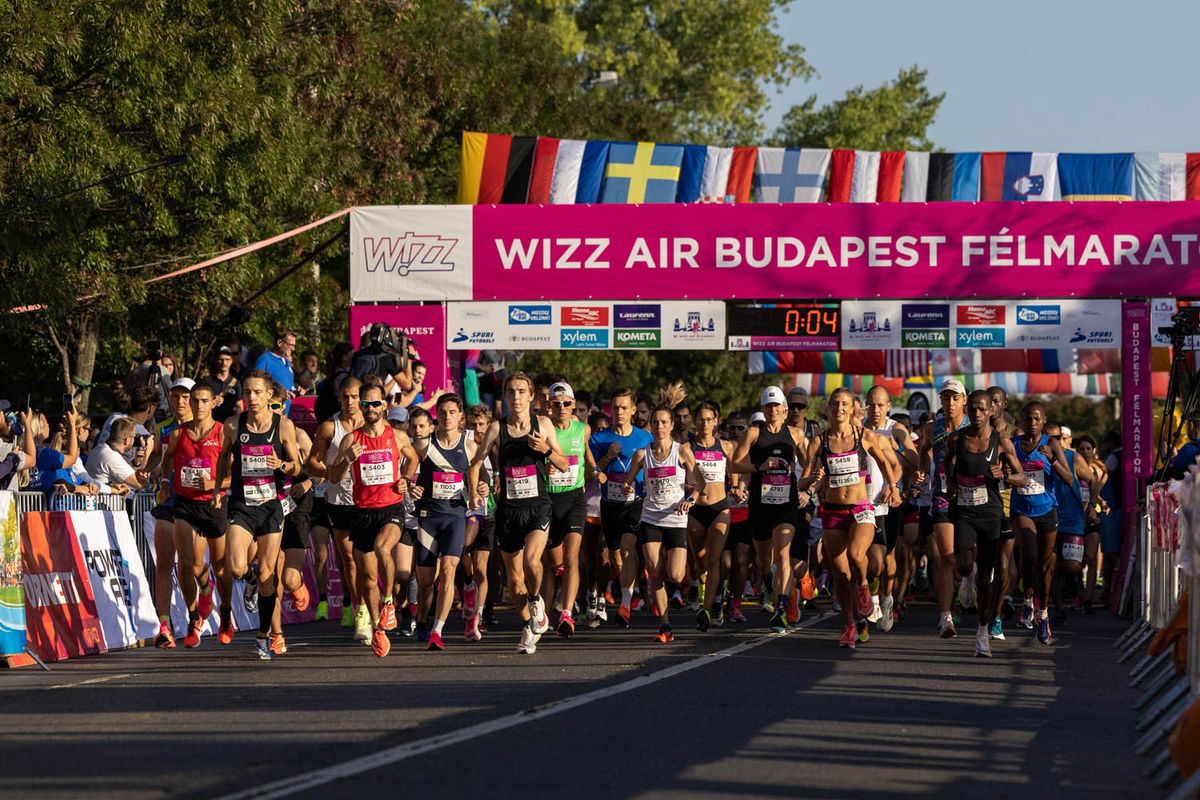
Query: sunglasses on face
[(797, 406), (274, 406), (370, 403), (736, 428), (561, 403)]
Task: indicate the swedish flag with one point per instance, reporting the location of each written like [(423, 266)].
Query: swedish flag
[(642, 172)]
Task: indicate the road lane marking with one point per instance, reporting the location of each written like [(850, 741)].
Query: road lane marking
[(392, 755), (90, 681)]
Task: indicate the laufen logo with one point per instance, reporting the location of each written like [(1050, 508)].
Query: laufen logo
[(412, 252)]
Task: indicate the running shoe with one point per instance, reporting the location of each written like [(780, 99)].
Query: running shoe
[(362, 626), (793, 607), (946, 627), (1027, 614), (837, 606), (997, 629), (193, 635), (601, 613), (719, 619), (435, 641), (488, 620), (204, 603), (472, 632), (566, 625), (608, 594), (863, 593), (676, 600), (408, 624), (769, 601), (636, 603), (1060, 618), (323, 609), (664, 635), (278, 644), (703, 620), (527, 645), (387, 616), (808, 588), (778, 622), (983, 648), (347, 616), (166, 638), (735, 611), (886, 619), (262, 649), (876, 613), (1043, 631), (470, 596), (864, 631), (250, 595), (622, 617), (225, 631), (538, 620), (1077, 603), (300, 598), (380, 644), (849, 637)]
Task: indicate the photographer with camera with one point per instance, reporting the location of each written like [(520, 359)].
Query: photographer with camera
[(140, 406), (381, 352), (107, 464), (151, 372)]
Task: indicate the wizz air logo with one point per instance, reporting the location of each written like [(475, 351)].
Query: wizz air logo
[(413, 252)]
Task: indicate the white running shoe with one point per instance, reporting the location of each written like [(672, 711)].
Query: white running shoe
[(876, 612), (362, 626), (886, 620), (528, 644), (983, 647), (538, 620), (946, 627)]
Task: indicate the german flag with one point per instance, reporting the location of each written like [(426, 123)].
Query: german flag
[(496, 168)]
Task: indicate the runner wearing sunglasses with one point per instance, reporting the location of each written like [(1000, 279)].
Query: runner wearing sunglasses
[(568, 506)]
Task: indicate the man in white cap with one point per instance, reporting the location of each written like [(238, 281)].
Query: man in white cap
[(568, 506), (953, 396), (770, 453)]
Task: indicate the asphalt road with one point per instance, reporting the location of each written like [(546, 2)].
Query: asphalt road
[(735, 713)]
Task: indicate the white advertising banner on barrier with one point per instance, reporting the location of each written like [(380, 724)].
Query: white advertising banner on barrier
[(586, 325), (123, 594), (400, 254), (981, 324)]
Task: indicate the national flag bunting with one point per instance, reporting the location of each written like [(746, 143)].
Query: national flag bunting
[(567, 171), (790, 175), (1018, 176), (1089, 176), (704, 174), (496, 168), (641, 172)]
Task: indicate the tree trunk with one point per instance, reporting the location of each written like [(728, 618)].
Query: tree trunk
[(87, 342)]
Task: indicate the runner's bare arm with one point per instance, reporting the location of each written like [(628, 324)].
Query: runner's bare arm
[(635, 466), (911, 461), (224, 474), (411, 461), (739, 463), (695, 475), (589, 460), (546, 436), (1059, 461), (315, 465), (889, 465), (481, 454), (1016, 474), (291, 463), (346, 456)]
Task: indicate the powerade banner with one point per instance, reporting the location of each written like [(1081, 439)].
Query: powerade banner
[(719, 251), (981, 324), (60, 609), (124, 597), (12, 594), (586, 325)]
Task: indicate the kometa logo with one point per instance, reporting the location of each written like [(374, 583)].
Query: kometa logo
[(648, 339), (926, 338)]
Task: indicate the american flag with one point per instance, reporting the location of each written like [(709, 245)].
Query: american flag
[(907, 363)]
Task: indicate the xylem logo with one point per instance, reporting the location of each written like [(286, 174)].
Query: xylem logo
[(1039, 315), (577, 339), (530, 315), (649, 339), (412, 252), (980, 337), (980, 315)]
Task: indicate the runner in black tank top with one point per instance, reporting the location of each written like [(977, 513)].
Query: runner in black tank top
[(523, 505), (976, 461)]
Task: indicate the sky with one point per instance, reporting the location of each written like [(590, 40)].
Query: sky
[(1055, 76)]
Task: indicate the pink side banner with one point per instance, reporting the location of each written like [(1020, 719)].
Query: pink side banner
[(425, 326), (897, 250)]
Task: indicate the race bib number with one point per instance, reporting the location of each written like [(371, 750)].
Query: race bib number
[(194, 473), (843, 470), (614, 490), (712, 465), (1035, 479), (258, 491), (376, 468), (662, 483), (520, 483), (1073, 548), (254, 460), (567, 479), (972, 495), (289, 505), (1085, 494), (776, 488), (865, 516), (447, 485)]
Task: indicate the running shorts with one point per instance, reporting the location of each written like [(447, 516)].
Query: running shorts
[(839, 517), (366, 523), (207, 521), (440, 536), (669, 538), (618, 519), (257, 520), (568, 514), (514, 523), (705, 516)]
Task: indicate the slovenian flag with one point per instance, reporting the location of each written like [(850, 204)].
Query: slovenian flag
[(641, 172), (940, 177), (567, 171), (496, 168), (1018, 176), (1087, 176), (790, 175)]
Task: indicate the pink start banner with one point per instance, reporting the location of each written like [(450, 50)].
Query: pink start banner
[(817, 251), (424, 325)]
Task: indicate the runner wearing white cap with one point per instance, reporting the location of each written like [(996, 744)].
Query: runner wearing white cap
[(953, 396), (568, 506), (773, 450)]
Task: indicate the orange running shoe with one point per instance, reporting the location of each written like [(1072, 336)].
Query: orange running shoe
[(380, 645), (193, 635), (793, 607), (204, 603), (166, 637), (849, 637), (278, 644), (300, 598), (808, 588), (623, 616), (664, 635), (387, 616), (225, 631)]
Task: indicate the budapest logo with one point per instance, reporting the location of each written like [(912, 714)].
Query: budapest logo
[(412, 252), (530, 315), (980, 337), (579, 316), (980, 315), (583, 339), (638, 338), (1039, 315)]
